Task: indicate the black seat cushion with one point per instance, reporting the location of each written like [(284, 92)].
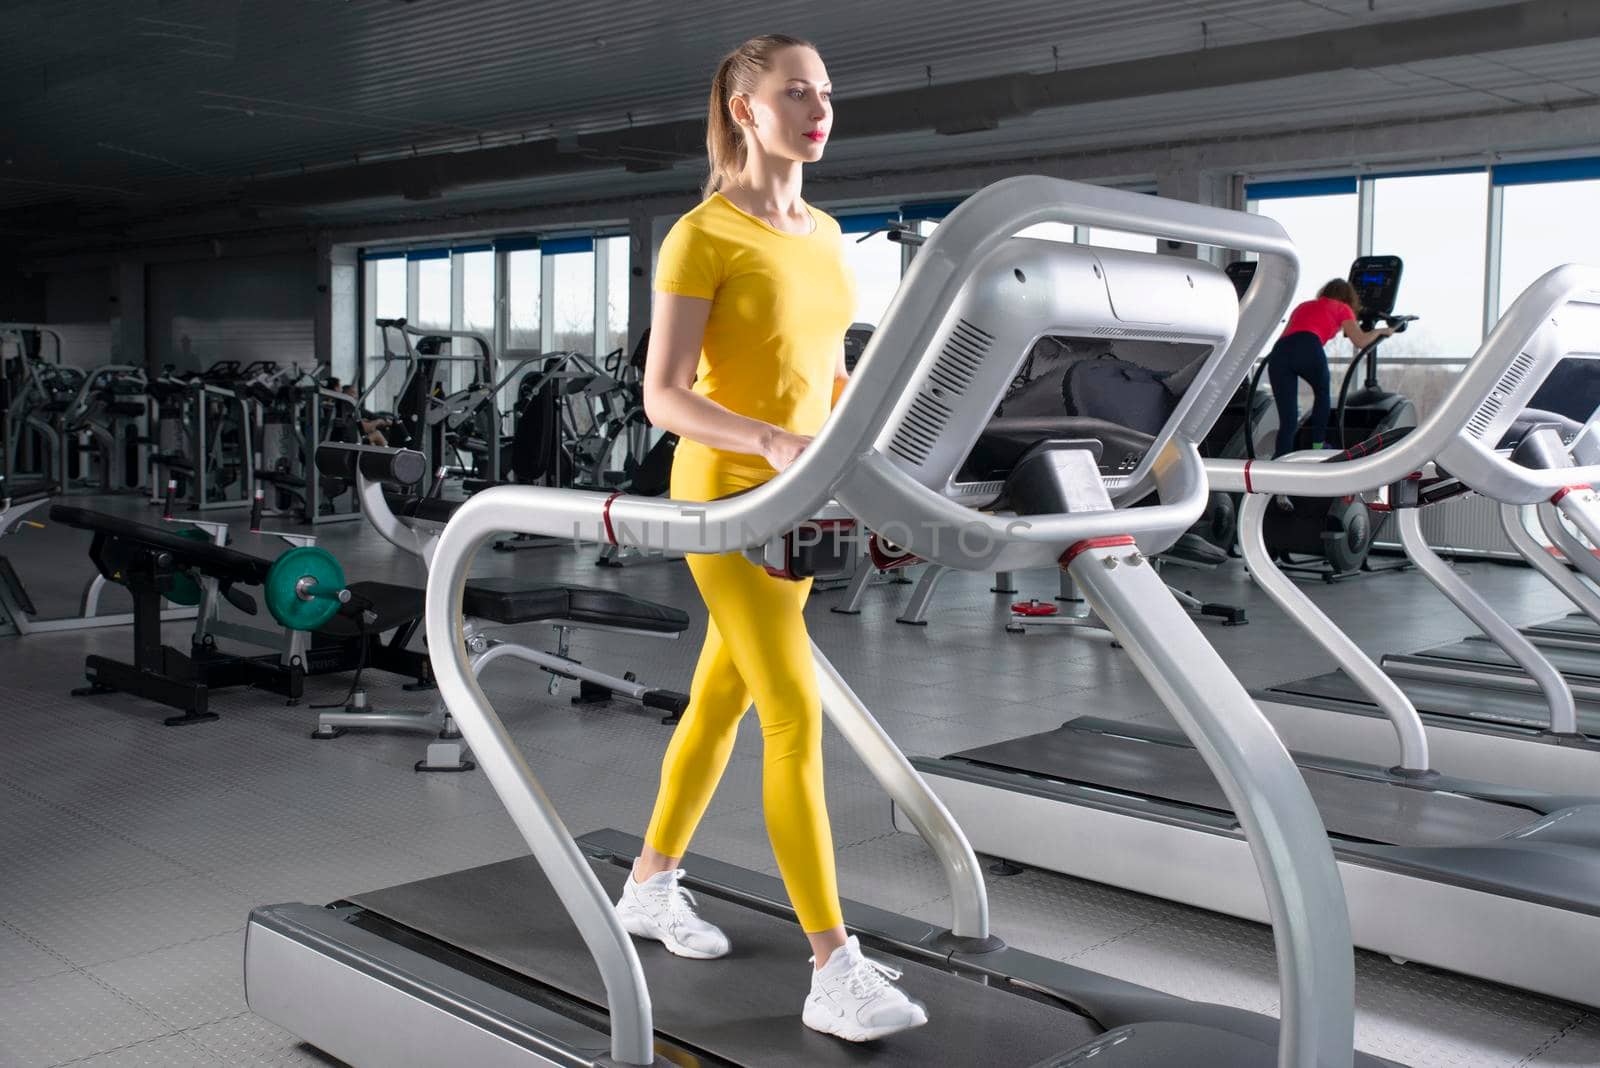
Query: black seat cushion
[(510, 600), (208, 558), (394, 606)]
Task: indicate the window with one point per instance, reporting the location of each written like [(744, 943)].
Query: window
[(616, 324), (1435, 223), (477, 291), (875, 262), (1051, 231), (1324, 230), (1545, 225), (388, 300), (523, 277), (433, 293), (389, 288), (573, 284), (475, 273), (1119, 239)]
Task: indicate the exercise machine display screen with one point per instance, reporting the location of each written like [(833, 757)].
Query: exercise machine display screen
[(1377, 283)]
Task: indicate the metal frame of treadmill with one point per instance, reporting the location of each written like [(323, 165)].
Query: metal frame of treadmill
[(928, 359), (1407, 907)]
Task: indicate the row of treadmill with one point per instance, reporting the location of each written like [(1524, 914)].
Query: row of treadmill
[(1439, 821)]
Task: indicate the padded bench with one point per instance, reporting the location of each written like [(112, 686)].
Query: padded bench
[(508, 600), (146, 558), (19, 493)]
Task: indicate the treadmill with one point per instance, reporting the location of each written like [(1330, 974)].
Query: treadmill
[(524, 962), (1520, 690), (1571, 646), (1425, 857)]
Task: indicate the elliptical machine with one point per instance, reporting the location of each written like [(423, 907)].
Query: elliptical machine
[(1331, 539)]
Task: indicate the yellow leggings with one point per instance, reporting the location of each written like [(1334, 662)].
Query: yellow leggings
[(756, 648)]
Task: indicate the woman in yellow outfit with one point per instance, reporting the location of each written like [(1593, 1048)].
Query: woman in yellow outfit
[(746, 359)]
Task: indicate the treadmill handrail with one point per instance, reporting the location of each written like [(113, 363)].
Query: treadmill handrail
[(1292, 853), (1557, 694), (1579, 507), (1581, 594), (1579, 556), (1510, 364), (1407, 721)]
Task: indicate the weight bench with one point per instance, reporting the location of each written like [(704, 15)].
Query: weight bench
[(157, 563), (381, 474)]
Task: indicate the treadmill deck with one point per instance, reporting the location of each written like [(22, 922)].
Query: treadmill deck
[(1364, 809), (1472, 704), (1576, 664), (744, 1008)]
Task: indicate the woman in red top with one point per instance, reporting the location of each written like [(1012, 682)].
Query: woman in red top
[(1299, 354)]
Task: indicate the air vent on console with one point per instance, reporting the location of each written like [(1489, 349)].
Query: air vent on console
[(1153, 335), (919, 431), (954, 370), (963, 354), (1481, 419)]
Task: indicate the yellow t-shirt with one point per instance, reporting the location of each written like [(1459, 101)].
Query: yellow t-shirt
[(780, 306)]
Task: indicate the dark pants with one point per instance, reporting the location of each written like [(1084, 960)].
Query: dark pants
[(1296, 356)]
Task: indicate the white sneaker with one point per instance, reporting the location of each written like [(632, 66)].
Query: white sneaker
[(853, 997), (661, 909)]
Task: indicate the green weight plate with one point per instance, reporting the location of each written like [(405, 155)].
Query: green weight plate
[(307, 563), (185, 587)]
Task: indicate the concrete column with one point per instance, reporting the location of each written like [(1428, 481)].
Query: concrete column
[(642, 246), (1185, 178), (335, 332)]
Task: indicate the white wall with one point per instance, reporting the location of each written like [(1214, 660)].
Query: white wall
[(249, 308), (78, 307)]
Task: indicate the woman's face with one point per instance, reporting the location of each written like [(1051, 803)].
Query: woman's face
[(790, 114)]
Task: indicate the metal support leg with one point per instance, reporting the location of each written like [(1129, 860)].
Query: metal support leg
[(1413, 740), (1579, 592), (856, 591), (916, 611), (1563, 711), (1311, 927)]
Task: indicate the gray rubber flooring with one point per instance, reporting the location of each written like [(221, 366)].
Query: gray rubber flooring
[(130, 853)]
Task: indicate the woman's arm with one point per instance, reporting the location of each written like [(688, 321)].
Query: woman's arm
[(677, 330), (1362, 338), (841, 377)]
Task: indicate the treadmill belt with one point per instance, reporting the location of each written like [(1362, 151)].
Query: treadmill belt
[(1351, 808), (1577, 625), (1433, 697), (1574, 663), (743, 1008)]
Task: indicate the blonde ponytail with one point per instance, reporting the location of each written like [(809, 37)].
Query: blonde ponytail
[(738, 72)]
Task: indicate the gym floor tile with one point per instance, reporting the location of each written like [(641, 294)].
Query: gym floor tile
[(248, 1039), (186, 985), (123, 923), (169, 1051), (64, 1017), (22, 958)]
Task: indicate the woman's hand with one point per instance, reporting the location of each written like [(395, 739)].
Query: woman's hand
[(781, 448)]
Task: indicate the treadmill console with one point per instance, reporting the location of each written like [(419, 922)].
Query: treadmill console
[(1241, 273), (1377, 283)]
